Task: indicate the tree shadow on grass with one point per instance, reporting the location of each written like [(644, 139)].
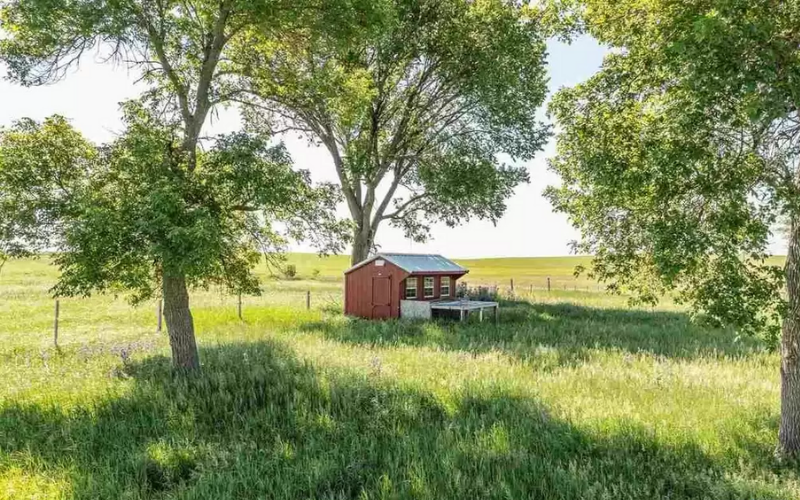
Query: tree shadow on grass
[(556, 334), (259, 423)]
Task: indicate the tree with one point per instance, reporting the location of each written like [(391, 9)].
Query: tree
[(181, 48), (29, 197), (416, 110), (127, 215), (681, 154)]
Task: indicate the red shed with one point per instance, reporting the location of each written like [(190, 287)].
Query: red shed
[(375, 287)]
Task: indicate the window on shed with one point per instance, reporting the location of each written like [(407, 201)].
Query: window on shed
[(411, 288), (428, 287), (444, 288)]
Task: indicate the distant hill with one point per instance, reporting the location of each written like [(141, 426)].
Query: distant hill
[(525, 271)]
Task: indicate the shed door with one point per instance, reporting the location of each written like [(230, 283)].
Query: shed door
[(382, 297)]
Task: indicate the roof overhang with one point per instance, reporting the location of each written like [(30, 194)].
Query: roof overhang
[(362, 263), (460, 271), (439, 273)]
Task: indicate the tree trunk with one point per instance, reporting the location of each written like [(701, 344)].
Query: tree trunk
[(363, 241), (180, 324), (789, 432)]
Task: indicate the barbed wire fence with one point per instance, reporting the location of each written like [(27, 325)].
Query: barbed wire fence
[(327, 300)]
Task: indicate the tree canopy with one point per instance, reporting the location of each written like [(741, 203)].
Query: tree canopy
[(418, 110), (123, 215), (679, 158), (182, 48), (34, 176)]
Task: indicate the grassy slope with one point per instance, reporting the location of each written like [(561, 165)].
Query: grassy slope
[(526, 271), (571, 396)]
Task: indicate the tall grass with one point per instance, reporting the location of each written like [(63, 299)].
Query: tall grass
[(571, 395)]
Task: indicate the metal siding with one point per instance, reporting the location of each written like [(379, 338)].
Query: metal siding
[(423, 263), (415, 263)]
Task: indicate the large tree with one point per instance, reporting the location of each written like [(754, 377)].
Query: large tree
[(181, 48), (680, 157), (127, 216), (418, 110)]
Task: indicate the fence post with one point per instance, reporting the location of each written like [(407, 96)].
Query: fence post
[(240, 306), (512, 285), (308, 300), (159, 314), (55, 326), (548, 283)]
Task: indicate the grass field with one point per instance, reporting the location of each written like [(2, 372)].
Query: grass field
[(526, 272), (572, 395)]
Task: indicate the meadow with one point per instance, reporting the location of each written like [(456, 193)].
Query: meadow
[(572, 395), (526, 272)]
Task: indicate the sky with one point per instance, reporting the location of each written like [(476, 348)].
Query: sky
[(89, 97)]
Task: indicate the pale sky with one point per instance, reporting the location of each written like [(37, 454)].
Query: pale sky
[(89, 97)]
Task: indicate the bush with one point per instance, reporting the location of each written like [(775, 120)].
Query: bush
[(482, 293), (315, 273), (290, 271)]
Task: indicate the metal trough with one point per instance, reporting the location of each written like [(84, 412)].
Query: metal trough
[(465, 307)]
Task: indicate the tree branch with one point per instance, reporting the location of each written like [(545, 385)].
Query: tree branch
[(397, 213)]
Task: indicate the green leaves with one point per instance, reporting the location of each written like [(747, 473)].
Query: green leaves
[(422, 102), (123, 214), (47, 36), (677, 159), (41, 166)]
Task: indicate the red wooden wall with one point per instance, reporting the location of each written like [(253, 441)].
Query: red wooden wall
[(366, 283), (373, 291)]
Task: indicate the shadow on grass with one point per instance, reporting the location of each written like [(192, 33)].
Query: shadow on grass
[(259, 423), (558, 334)]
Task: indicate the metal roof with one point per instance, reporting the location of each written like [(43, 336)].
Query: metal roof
[(416, 263)]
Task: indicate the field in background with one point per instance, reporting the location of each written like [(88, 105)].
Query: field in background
[(572, 395), (26, 307), (525, 271)]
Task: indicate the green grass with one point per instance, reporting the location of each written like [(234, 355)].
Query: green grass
[(526, 271), (572, 395)]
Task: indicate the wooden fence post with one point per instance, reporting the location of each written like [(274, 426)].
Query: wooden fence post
[(308, 300), (55, 326), (512, 285), (240, 306), (548, 283), (159, 314)]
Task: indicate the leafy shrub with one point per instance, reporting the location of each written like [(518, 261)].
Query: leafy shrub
[(484, 293), (290, 271)]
